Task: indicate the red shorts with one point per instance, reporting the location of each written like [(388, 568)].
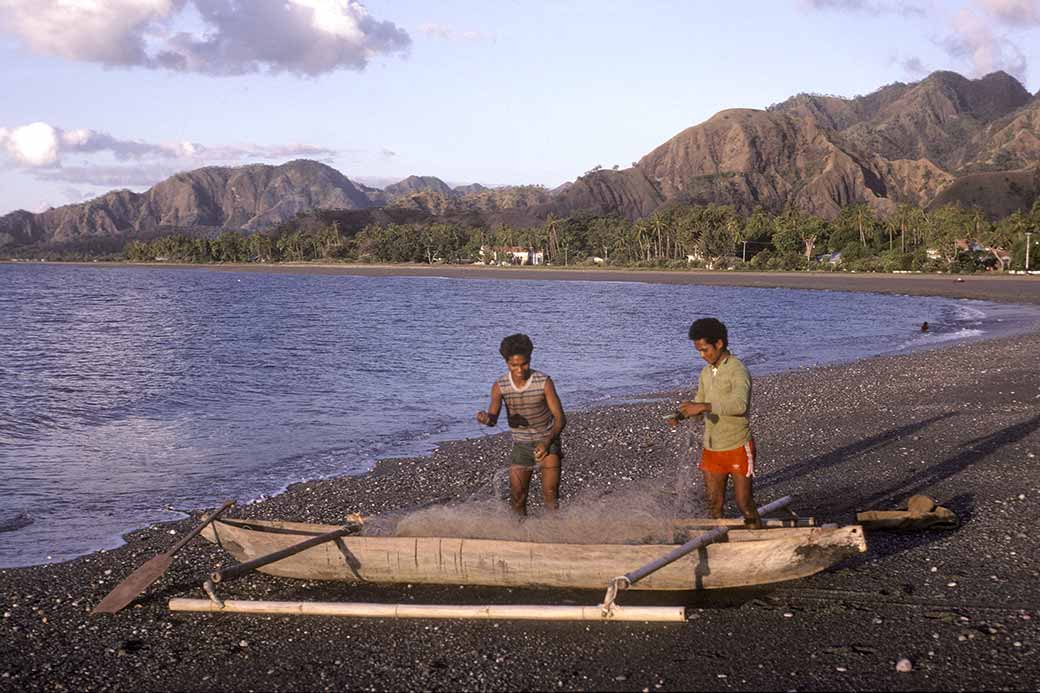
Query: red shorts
[(736, 461)]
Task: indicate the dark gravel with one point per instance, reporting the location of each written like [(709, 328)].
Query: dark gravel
[(960, 424)]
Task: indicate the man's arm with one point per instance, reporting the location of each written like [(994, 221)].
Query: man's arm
[(552, 400), (490, 416), (696, 407)]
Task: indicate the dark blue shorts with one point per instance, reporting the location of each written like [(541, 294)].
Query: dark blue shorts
[(523, 453)]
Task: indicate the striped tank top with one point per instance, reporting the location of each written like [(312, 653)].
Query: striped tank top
[(529, 417)]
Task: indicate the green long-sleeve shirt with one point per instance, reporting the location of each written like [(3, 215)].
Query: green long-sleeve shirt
[(727, 387)]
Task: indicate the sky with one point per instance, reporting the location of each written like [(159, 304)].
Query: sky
[(106, 94)]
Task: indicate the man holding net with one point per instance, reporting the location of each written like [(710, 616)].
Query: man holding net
[(536, 420), (723, 398)]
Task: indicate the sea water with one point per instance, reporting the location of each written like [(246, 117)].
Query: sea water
[(128, 395)]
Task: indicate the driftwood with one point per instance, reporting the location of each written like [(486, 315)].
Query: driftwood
[(922, 512)]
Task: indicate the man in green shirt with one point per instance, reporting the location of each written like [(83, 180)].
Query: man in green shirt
[(724, 399)]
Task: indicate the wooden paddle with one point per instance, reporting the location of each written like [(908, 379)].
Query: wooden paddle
[(139, 580)]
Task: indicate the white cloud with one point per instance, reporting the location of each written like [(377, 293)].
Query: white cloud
[(914, 67), (40, 145), (31, 145), (448, 34), (89, 157), (903, 7), (1012, 12), (111, 32), (975, 39), (977, 32), (75, 194), (306, 37), (134, 176)]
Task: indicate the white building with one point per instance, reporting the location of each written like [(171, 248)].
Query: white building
[(514, 255)]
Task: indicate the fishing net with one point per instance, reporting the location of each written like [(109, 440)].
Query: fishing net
[(632, 513)]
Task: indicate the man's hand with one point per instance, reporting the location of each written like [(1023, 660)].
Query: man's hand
[(541, 450), (692, 409), (484, 418)]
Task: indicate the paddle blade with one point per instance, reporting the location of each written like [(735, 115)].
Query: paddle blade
[(138, 581)]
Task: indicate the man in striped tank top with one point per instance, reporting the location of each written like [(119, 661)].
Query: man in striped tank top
[(535, 418)]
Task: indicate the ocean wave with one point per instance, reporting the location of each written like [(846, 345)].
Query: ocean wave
[(933, 338), (968, 313)]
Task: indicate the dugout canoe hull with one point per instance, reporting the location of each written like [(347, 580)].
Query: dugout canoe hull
[(748, 557)]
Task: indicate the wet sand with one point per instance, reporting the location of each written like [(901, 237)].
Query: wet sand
[(961, 424)]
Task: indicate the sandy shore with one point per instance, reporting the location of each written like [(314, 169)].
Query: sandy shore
[(961, 424)]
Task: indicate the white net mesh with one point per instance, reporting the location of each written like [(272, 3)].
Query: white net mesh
[(635, 513)]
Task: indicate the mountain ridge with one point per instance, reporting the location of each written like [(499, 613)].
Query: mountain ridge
[(944, 139)]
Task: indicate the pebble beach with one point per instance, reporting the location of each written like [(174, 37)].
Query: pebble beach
[(931, 610)]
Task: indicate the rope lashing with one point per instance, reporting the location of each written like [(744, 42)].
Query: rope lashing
[(623, 582), (618, 584)]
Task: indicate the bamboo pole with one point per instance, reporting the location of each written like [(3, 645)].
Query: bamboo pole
[(738, 522), (696, 543), (519, 612)]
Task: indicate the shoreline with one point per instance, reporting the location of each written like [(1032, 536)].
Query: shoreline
[(987, 287), (958, 422), (997, 328)]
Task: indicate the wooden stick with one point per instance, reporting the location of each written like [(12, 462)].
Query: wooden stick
[(518, 612), (696, 543), (232, 572), (738, 522)]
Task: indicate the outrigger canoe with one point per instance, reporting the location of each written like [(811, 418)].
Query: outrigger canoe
[(744, 558)]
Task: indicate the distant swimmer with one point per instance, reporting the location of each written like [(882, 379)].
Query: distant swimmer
[(924, 326)]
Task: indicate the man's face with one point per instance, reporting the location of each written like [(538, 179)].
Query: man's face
[(709, 351), (519, 366)]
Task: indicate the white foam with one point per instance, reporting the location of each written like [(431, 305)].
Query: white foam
[(933, 338), (969, 313)]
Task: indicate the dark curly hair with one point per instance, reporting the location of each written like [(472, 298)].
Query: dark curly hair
[(710, 329), (516, 344)]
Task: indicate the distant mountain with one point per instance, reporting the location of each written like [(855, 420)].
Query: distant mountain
[(945, 139), (246, 197), (902, 143), (250, 198), (416, 184), (531, 200), (468, 189), (1000, 193)]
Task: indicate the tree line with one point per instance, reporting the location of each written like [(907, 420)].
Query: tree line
[(948, 238)]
